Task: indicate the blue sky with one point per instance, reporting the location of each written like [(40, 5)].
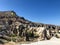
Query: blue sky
[(44, 11)]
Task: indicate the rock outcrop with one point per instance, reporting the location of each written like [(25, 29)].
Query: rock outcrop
[(20, 29)]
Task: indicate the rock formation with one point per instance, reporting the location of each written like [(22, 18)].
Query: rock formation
[(15, 28)]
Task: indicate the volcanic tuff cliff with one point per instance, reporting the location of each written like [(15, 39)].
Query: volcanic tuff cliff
[(10, 21)]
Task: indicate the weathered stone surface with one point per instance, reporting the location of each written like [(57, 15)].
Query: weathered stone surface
[(12, 25)]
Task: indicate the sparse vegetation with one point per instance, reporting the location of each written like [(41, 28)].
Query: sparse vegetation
[(18, 28)]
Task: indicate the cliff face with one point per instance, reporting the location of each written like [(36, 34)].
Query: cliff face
[(11, 25)]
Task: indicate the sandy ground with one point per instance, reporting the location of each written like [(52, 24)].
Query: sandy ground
[(52, 41)]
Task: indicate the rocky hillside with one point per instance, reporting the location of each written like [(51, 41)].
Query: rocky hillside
[(14, 27), (10, 17)]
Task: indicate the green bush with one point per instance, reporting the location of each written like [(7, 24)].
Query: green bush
[(12, 35), (14, 39)]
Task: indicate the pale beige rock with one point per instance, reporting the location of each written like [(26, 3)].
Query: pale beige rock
[(10, 43)]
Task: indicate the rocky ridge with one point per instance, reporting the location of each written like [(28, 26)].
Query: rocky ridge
[(16, 28)]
